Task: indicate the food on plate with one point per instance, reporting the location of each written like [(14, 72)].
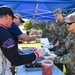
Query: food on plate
[(36, 63)]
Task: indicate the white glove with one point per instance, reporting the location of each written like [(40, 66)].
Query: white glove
[(41, 52)]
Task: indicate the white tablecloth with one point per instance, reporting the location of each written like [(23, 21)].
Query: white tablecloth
[(21, 71)]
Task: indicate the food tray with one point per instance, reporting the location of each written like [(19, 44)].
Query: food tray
[(35, 65)]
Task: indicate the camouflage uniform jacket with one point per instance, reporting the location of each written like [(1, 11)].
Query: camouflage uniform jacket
[(50, 34), (61, 35), (69, 57), (62, 32)]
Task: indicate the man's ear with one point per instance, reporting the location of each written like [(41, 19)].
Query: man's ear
[(6, 16)]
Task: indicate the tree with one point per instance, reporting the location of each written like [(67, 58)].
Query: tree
[(35, 24), (27, 25)]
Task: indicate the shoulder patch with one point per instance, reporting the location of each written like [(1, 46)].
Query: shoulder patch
[(9, 43)]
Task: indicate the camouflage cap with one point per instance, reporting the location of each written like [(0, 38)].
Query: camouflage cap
[(49, 23), (57, 11), (16, 15), (70, 19)]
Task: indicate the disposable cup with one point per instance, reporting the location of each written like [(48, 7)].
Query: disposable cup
[(47, 66)]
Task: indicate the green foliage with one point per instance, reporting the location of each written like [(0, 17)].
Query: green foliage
[(40, 24), (27, 24), (35, 24)]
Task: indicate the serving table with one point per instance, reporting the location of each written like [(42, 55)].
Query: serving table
[(21, 70)]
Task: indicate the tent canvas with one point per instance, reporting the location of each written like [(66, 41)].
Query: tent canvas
[(39, 9)]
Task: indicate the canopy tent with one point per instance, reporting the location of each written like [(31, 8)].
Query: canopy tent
[(39, 9)]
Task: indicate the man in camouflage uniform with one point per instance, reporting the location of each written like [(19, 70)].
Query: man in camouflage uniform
[(50, 33), (69, 57), (61, 31), (60, 26)]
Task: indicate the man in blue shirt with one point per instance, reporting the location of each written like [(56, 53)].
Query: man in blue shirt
[(16, 32)]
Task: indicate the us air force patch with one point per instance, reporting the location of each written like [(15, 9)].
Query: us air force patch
[(8, 43)]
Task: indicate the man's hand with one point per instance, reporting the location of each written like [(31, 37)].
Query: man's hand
[(41, 52), (37, 40), (56, 44)]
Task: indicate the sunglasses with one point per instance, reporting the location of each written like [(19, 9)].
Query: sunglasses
[(70, 23)]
